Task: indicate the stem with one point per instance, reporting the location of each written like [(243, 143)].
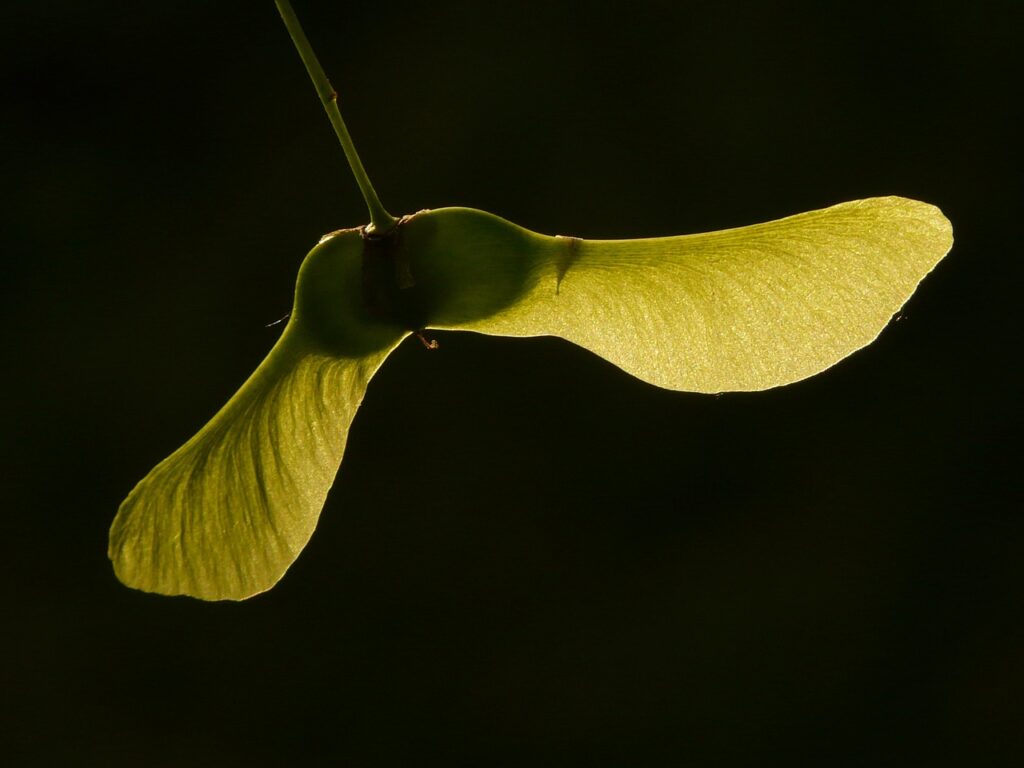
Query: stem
[(380, 220)]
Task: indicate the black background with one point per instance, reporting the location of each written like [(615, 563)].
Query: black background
[(528, 557)]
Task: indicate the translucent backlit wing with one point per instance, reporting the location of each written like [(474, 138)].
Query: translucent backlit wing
[(226, 514), (740, 309)]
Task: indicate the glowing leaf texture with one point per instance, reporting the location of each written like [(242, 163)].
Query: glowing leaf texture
[(740, 309), (226, 514)]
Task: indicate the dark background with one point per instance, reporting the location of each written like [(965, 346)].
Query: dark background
[(528, 557)]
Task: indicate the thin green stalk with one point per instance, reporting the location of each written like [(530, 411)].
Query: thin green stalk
[(380, 220)]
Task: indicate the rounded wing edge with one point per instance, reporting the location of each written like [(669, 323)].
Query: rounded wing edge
[(224, 516)]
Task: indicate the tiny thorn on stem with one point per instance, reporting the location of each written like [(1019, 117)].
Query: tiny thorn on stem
[(428, 343), (381, 219)]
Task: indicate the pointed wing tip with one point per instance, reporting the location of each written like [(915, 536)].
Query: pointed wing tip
[(162, 566), (926, 212), (141, 579)]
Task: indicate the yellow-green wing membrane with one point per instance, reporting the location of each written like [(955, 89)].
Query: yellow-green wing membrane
[(740, 309), (225, 515)]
